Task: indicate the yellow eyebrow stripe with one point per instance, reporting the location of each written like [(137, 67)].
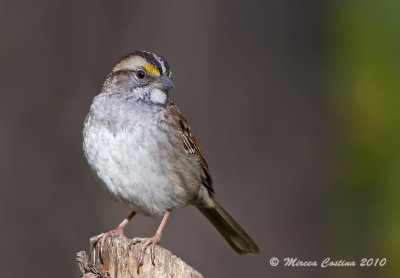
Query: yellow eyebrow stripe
[(152, 69)]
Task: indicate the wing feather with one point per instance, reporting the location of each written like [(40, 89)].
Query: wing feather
[(190, 144)]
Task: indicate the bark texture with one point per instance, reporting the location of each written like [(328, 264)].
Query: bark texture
[(120, 258)]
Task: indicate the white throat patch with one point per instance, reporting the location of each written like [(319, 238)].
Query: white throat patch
[(158, 96)]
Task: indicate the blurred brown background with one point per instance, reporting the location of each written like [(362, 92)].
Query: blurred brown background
[(256, 81)]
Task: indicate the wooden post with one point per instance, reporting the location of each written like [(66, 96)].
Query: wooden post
[(120, 260)]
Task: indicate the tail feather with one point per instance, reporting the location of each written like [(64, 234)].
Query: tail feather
[(232, 232)]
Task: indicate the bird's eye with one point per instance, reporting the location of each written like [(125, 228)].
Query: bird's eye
[(140, 74)]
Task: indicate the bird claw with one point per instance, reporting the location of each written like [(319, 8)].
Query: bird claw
[(118, 232), (152, 241)]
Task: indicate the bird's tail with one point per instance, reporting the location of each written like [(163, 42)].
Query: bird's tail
[(232, 232)]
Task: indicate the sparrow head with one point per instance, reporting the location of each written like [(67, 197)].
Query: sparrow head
[(141, 74)]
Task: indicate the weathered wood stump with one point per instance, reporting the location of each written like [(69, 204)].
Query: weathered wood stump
[(120, 258)]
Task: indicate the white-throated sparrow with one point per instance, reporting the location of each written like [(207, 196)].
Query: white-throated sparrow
[(139, 145)]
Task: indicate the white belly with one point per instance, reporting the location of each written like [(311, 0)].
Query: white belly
[(134, 170)]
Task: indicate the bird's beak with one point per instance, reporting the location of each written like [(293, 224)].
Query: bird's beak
[(163, 83)]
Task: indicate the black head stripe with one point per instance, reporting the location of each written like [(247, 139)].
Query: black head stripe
[(158, 61), (166, 66), (150, 59)]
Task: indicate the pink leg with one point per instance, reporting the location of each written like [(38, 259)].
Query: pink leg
[(117, 232), (153, 241)]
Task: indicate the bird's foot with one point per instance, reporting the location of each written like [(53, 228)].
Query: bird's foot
[(152, 242), (118, 232)]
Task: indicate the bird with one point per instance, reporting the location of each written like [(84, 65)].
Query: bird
[(142, 151)]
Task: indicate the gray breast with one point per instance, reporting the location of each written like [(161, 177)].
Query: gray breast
[(138, 155)]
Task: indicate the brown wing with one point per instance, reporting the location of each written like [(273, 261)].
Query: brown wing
[(190, 144)]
